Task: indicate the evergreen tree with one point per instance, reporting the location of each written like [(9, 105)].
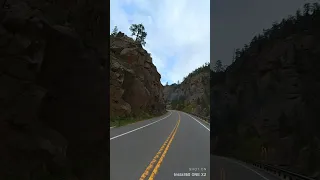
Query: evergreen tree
[(115, 31), (218, 67), (139, 31)]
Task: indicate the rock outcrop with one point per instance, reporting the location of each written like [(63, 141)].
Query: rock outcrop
[(269, 99), (135, 86), (192, 95), (53, 90)]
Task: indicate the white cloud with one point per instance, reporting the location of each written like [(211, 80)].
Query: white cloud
[(178, 32)]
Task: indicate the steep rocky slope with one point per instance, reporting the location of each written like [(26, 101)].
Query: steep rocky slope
[(53, 90), (269, 98), (192, 95), (135, 86)]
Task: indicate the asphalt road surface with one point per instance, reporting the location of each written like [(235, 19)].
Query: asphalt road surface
[(173, 146), (228, 169)]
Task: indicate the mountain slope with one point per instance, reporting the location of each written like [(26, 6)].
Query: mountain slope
[(192, 95), (269, 97)]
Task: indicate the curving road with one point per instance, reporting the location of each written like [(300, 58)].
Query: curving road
[(228, 169), (173, 146)]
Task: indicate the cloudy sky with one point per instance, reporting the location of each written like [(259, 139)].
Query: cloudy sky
[(235, 22), (178, 32)]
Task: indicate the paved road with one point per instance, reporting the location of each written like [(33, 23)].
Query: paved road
[(158, 148), (227, 169)]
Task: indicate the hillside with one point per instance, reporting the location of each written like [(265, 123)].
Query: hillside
[(192, 95), (269, 97), (135, 87)]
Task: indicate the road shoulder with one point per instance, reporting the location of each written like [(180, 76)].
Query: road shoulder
[(201, 121), (116, 131), (236, 169)]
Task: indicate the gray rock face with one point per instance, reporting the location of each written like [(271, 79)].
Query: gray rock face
[(193, 91), (53, 90), (171, 92)]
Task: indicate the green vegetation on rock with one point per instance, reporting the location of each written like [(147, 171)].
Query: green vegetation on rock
[(115, 31), (192, 95), (118, 121)]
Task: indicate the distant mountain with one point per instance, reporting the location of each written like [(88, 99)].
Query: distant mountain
[(192, 95)]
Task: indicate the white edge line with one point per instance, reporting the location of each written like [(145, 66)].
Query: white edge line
[(139, 128), (197, 121), (112, 127), (248, 168), (206, 122)]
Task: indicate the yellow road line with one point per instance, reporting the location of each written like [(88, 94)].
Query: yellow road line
[(163, 147), (155, 170)]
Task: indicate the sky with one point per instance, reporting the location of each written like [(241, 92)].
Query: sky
[(235, 22), (178, 32)]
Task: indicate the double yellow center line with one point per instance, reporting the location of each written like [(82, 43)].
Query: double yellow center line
[(158, 158)]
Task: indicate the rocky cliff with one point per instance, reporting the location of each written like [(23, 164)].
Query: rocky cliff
[(192, 95), (53, 90), (135, 86), (269, 98)]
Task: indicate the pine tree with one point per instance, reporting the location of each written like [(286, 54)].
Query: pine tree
[(139, 31), (115, 31), (218, 67)]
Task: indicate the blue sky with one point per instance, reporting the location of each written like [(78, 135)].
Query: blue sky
[(178, 32)]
